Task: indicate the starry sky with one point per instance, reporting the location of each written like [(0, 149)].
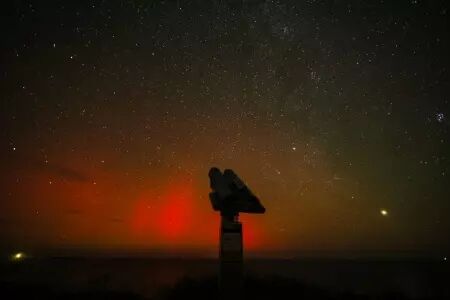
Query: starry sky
[(336, 114)]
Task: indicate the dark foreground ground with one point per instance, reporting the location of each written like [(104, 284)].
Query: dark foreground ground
[(81, 278)]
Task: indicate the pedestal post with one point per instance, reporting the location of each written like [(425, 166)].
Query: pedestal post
[(231, 258)]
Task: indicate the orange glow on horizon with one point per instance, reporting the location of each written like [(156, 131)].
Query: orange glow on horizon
[(108, 209), (175, 215)]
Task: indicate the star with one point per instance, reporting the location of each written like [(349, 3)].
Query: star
[(17, 256), (384, 212)]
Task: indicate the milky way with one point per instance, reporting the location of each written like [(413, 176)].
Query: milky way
[(334, 112)]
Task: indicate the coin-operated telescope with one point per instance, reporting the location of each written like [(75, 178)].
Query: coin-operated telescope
[(231, 196)]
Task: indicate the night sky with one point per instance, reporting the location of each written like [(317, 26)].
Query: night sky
[(336, 114)]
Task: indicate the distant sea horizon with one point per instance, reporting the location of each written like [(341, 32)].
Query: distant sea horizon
[(97, 252)]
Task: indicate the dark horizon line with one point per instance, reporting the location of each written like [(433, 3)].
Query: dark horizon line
[(99, 252)]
